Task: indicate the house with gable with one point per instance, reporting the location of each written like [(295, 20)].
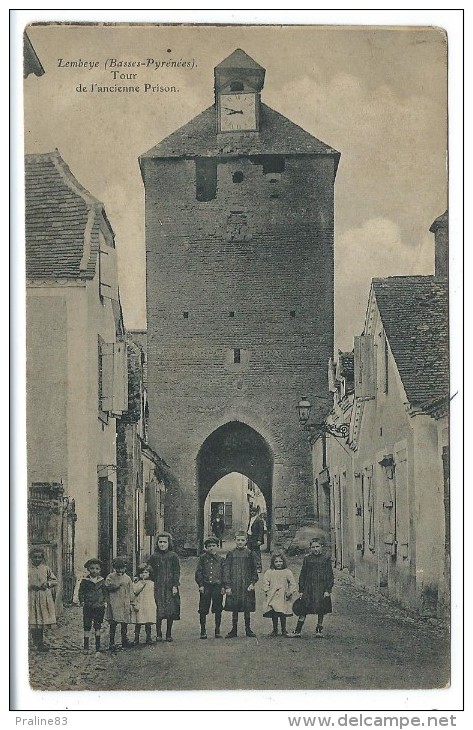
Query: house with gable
[(387, 484), (76, 355)]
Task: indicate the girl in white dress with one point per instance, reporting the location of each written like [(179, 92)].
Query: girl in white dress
[(143, 604), (279, 585), (41, 608)]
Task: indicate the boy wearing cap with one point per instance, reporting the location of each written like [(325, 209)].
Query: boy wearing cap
[(92, 598), (209, 578)]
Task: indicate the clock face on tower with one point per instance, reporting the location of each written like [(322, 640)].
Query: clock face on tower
[(237, 112)]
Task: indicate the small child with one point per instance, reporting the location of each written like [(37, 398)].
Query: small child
[(143, 604), (166, 569), (93, 597), (209, 578), (278, 585), (239, 577), (41, 608), (315, 587), (118, 585)]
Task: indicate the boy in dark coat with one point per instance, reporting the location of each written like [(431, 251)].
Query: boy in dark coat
[(92, 597), (239, 577), (209, 578), (315, 587)]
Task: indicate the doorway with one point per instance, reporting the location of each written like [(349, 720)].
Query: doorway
[(232, 499)]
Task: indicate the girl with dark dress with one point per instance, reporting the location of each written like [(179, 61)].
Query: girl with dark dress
[(315, 587), (239, 578), (165, 569)]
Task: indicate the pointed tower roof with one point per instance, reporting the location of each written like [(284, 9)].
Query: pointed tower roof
[(239, 59), (239, 66)]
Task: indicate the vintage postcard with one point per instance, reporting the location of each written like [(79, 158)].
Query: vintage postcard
[(237, 280)]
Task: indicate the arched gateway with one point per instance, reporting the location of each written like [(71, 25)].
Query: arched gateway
[(234, 447)]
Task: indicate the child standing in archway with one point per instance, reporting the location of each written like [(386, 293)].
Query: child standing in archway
[(240, 575)]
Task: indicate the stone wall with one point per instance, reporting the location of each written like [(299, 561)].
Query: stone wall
[(240, 315)]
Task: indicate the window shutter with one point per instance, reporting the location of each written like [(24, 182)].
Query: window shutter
[(106, 395), (369, 371), (402, 504), (384, 365), (365, 371), (358, 367), (371, 510), (228, 517), (151, 509), (359, 516), (120, 378), (108, 272)]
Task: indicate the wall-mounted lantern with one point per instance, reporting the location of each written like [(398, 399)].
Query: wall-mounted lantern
[(304, 407)]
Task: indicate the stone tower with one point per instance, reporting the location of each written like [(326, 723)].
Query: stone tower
[(239, 248)]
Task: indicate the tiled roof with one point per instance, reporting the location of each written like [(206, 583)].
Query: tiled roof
[(62, 220), (277, 136), (414, 312)]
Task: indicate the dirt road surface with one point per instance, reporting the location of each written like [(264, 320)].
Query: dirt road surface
[(367, 644)]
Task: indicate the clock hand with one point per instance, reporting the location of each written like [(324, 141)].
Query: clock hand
[(233, 111)]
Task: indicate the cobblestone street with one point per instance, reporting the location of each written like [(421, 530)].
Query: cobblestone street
[(367, 644)]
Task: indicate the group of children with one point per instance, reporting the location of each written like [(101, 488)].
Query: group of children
[(229, 584), (225, 584)]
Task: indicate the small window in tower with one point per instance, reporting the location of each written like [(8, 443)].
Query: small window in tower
[(236, 355), (231, 314), (292, 313), (185, 315), (237, 86), (237, 177), (273, 164), (205, 179)]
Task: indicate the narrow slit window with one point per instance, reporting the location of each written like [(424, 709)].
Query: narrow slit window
[(236, 355), (185, 315), (292, 313), (205, 179), (231, 314)]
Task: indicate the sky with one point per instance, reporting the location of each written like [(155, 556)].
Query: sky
[(378, 95)]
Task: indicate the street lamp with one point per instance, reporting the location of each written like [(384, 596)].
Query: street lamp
[(304, 408)]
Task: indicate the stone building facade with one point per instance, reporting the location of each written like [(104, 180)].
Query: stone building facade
[(239, 247), (387, 485), (75, 350)]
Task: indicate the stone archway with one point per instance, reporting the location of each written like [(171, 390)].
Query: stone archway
[(234, 447)]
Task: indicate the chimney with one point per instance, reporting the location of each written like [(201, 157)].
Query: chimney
[(440, 230)]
